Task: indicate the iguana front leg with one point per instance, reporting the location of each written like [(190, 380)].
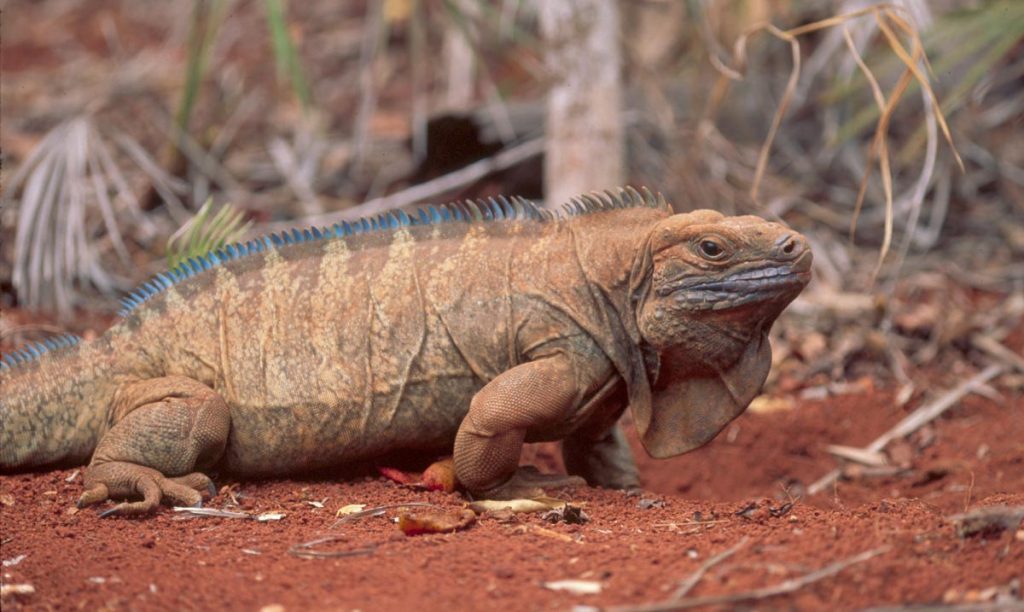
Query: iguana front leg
[(171, 426), (606, 461), (491, 436)]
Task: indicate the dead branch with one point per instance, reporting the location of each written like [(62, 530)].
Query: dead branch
[(423, 191), (915, 420), (783, 588), (997, 350), (857, 455)]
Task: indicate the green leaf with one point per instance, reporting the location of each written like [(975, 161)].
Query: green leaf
[(286, 56), (205, 233), (207, 17)]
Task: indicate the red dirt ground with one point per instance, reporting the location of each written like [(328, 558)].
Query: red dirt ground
[(637, 547), (639, 552)]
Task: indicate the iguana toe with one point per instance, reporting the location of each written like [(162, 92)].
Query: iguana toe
[(145, 485), (94, 495), (198, 481), (121, 480), (179, 494)]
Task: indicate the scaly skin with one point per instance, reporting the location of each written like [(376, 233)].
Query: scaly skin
[(473, 336)]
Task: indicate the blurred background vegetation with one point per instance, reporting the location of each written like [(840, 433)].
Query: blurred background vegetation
[(120, 119)]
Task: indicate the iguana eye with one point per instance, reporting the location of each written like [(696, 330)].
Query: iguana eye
[(710, 249)]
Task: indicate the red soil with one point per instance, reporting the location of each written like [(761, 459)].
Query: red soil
[(637, 550)]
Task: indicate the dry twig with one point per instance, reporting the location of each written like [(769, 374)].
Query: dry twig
[(889, 22), (305, 550), (423, 191), (997, 350), (913, 421), (783, 588), (377, 511), (691, 581)]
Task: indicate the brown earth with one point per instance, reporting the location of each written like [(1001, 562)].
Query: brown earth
[(637, 547)]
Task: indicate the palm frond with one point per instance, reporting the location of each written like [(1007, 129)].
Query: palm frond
[(73, 195)]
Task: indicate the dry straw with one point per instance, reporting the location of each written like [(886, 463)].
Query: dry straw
[(889, 23)]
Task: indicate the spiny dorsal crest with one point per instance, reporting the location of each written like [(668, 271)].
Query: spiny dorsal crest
[(627, 197), (497, 209), (33, 351)]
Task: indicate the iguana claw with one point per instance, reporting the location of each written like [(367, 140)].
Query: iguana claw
[(109, 511)]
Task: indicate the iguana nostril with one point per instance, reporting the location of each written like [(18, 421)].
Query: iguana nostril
[(789, 246)]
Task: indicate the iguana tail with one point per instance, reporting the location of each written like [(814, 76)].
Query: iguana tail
[(53, 403)]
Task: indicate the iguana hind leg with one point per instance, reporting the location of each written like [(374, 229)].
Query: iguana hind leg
[(171, 427)]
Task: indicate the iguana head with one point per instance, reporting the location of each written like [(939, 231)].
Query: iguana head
[(713, 286)]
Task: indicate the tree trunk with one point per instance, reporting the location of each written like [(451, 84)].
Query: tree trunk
[(584, 125)]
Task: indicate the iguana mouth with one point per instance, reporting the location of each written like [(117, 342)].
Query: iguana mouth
[(758, 284)]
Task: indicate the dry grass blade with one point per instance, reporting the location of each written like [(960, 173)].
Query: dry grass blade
[(167, 186), (880, 149), (876, 90), (306, 550), (203, 161), (787, 97), (880, 145), (917, 195), (974, 40), (912, 64), (835, 20), (423, 191), (888, 21), (211, 512)]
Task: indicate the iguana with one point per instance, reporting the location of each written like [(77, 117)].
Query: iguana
[(468, 327)]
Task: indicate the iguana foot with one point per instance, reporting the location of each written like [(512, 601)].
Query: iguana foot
[(121, 480), (604, 462), (172, 425), (528, 482)]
